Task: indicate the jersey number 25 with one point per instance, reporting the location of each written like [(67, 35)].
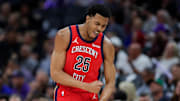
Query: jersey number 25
[(81, 60)]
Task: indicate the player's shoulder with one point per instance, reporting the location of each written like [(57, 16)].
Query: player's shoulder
[(64, 32), (62, 39), (108, 48), (107, 42), (63, 36)]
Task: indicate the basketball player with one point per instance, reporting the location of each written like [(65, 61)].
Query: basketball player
[(77, 57)]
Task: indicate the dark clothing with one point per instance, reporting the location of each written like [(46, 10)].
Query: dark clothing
[(23, 91), (5, 90)]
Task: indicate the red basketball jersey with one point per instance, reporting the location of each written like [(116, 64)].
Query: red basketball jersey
[(83, 58)]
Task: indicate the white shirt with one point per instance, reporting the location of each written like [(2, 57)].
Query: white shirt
[(165, 66), (140, 63), (121, 56)]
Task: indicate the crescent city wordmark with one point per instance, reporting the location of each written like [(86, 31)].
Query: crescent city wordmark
[(84, 49)]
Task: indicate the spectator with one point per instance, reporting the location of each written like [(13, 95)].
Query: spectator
[(145, 97), (136, 61), (176, 96), (13, 20), (116, 28), (4, 98), (38, 97), (129, 89), (137, 32), (119, 49), (50, 92), (5, 12), (176, 72), (159, 41), (163, 18), (156, 88), (169, 58), (11, 66), (39, 85), (120, 95), (9, 46), (27, 61), (15, 98), (120, 55), (19, 86), (45, 62), (146, 77), (4, 88), (150, 21)]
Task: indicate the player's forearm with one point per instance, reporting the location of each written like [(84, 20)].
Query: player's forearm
[(107, 91), (57, 73), (65, 79)]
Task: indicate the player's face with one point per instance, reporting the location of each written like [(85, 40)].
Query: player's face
[(178, 88), (96, 24)]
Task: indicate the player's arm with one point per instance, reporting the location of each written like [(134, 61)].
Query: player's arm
[(58, 61), (109, 70)]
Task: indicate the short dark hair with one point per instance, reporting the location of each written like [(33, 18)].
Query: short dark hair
[(120, 95), (100, 9), (177, 65)]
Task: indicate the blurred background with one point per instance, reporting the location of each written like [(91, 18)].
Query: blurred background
[(145, 33)]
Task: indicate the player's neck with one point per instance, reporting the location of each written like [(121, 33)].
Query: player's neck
[(84, 32)]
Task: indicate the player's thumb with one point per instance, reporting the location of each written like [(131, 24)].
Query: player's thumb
[(100, 83)]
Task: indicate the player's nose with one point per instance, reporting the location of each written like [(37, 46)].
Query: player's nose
[(99, 29)]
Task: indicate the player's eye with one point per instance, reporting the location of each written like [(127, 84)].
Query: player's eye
[(96, 23), (103, 26)]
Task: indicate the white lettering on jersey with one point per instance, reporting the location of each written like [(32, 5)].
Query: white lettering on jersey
[(84, 49), (94, 45), (78, 77)]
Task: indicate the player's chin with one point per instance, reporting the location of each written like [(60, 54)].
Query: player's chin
[(93, 35)]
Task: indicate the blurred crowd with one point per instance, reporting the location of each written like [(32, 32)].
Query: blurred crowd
[(145, 34)]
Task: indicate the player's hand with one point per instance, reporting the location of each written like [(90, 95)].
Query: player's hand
[(94, 87)]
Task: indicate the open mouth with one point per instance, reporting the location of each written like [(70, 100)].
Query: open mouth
[(96, 33)]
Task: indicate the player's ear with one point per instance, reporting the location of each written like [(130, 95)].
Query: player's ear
[(87, 18)]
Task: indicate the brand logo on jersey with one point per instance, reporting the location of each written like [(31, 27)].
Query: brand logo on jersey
[(75, 41), (94, 45), (84, 49), (62, 93), (94, 97)]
